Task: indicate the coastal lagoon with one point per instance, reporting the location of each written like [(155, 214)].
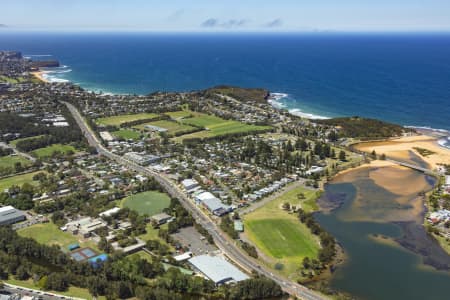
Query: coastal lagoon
[(376, 215)]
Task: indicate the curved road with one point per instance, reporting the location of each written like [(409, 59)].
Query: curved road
[(223, 242)]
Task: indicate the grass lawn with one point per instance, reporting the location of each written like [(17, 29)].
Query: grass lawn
[(127, 134), (10, 160), (118, 120), (176, 115), (171, 126), (18, 180), (149, 203), (71, 292), (216, 126), (279, 234), (14, 142), (50, 234), (49, 150)]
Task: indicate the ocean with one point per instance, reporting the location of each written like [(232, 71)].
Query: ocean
[(401, 78)]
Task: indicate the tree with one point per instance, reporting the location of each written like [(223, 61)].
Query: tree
[(286, 206), (342, 155)]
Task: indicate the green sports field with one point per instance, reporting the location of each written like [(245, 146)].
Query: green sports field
[(149, 203), (49, 150), (118, 120), (216, 126), (10, 160), (176, 115), (18, 180), (127, 134), (171, 126), (279, 234), (282, 238), (50, 234), (14, 142)]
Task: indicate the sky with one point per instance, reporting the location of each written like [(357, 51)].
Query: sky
[(228, 15)]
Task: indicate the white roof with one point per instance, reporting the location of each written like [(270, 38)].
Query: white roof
[(109, 212), (183, 256), (189, 182), (205, 196), (217, 269), (447, 180), (6, 208)]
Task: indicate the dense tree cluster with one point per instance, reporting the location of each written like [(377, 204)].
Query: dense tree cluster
[(227, 225), (363, 128), (32, 126), (327, 242)]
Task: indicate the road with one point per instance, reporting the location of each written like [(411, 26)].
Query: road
[(414, 167), (13, 289), (26, 155), (223, 242)]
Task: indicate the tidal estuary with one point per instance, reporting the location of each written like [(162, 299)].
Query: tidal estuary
[(375, 213)]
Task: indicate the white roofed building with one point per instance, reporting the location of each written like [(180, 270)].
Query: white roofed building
[(217, 269)]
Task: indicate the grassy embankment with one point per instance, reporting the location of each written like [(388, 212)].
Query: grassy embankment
[(280, 235)]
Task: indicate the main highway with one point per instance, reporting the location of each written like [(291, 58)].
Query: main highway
[(223, 242)]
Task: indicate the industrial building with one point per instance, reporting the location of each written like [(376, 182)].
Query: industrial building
[(212, 203), (141, 159), (217, 269), (9, 215)]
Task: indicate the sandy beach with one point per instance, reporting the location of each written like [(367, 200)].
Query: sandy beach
[(401, 147), (39, 75)]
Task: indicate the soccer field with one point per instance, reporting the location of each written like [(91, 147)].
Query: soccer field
[(281, 238), (48, 151), (149, 203)]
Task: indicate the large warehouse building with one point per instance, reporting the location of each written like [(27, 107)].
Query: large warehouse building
[(9, 215), (217, 269)]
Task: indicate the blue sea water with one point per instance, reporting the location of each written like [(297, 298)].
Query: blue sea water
[(403, 78)]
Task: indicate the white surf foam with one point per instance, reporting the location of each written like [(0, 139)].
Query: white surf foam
[(275, 101)]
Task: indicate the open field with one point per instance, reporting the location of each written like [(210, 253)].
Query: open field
[(50, 234), (281, 238), (280, 235), (14, 142), (10, 160), (216, 126), (18, 180), (127, 134), (118, 120), (149, 203), (176, 115), (49, 150), (400, 149), (171, 126)]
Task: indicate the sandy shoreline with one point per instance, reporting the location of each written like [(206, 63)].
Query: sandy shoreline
[(39, 75), (401, 147)]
